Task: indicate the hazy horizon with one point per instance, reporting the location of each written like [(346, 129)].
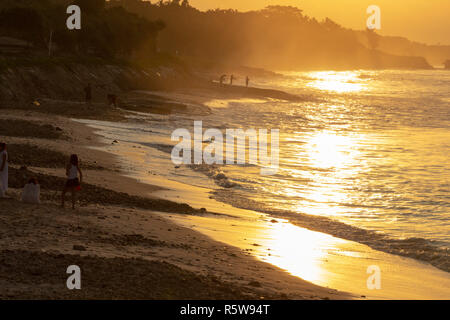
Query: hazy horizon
[(416, 20)]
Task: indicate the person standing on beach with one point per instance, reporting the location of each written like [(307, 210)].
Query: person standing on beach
[(3, 169), (231, 79), (88, 93), (112, 100), (247, 81), (73, 183)]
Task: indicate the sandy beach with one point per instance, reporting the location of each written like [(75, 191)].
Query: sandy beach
[(139, 237), (125, 240)]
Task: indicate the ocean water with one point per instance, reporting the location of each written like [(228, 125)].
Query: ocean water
[(366, 158)]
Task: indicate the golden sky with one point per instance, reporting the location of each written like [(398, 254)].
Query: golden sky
[(420, 20)]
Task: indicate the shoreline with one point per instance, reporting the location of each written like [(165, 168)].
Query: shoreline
[(356, 255), (218, 232), (314, 256), (106, 233)]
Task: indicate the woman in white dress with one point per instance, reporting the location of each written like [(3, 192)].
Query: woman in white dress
[(3, 169)]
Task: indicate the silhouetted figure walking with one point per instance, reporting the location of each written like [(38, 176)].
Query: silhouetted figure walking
[(88, 93), (231, 80), (222, 79), (247, 81), (112, 100)]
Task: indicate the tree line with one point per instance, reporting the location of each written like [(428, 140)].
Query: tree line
[(106, 31), (275, 37)]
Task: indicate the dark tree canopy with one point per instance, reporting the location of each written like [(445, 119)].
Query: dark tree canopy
[(274, 37), (277, 37), (23, 22), (91, 6), (106, 31)]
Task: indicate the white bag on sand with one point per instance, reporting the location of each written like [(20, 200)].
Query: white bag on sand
[(31, 193)]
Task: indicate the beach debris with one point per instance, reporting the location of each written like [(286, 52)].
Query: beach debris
[(203, 210), (254, 283), (115, 141), (226, 184), (274, 221), (79, 247), (220, 176), (36, 272)]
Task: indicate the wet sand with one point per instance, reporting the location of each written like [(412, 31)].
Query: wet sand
[(121, 234), (122, 217), (314, 256)]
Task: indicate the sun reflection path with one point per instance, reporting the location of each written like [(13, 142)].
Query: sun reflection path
[(339, 82), (333, 161), (326, 150), (301, 251)]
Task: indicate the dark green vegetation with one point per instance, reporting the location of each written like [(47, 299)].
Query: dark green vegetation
[(105, 32), (25, 155), (277, 37), (171, 31), (22, 128)]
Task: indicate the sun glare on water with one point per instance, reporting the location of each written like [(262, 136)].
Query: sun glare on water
[(339, 82), (328, 150), (331, 158)]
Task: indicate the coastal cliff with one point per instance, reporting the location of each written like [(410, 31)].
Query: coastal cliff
[(27, 80)]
